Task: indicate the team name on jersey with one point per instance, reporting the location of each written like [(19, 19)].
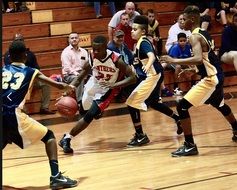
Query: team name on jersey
[(105, 68)]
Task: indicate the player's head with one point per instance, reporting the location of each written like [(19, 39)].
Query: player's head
[(99, 46), (139, 27), (191, 17), (17, 51), (182, 39), (18, 36), (73, 39)]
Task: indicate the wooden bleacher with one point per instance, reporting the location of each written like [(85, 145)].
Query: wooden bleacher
[(47, 25)]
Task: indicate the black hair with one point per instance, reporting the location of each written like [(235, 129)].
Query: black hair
[(100, 40), (142, 21), (17, 51), (181, 35)]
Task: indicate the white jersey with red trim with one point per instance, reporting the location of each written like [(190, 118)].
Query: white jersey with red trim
[(102, 70)]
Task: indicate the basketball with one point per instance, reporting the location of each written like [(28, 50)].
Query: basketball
[(67, 106)]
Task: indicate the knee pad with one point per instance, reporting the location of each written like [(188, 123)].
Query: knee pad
[(182, 109), (225, 110), (92, 112), (49, 135)]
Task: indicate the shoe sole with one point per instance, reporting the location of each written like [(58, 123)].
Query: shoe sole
[(131, 146), (192, 154), (63, 187)]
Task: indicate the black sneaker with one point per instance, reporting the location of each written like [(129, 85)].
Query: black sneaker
[(60, 182), (187, 149), (234, 138), (179, 128), (66, 145), (138, 140)]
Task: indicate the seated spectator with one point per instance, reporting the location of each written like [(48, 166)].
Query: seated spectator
[(180, 50), (115, 20), (32, 62), (73, 59), (118, 45), (224, 10), (228, 49), (126, 28), (153, 30)]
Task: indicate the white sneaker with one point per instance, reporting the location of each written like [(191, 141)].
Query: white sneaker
[(178, 92)]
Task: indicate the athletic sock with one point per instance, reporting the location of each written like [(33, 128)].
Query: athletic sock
[(189, 138), (54, 167)]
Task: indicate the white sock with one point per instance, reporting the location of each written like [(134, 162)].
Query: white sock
[(68, 136)]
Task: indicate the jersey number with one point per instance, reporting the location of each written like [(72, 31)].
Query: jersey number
[(7, 77), (106, 77)]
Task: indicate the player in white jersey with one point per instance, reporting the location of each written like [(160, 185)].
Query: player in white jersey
[(109, 74)]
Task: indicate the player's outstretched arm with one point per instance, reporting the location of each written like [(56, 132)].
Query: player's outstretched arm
[(60, 85), (196, 59)]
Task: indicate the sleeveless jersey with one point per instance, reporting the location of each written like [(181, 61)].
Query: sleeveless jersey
[(17, 82), (102, 70), (211, 63), (141, 58)]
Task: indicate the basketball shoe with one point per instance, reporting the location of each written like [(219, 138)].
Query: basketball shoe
[(138, 140), (60, 182), (187, 149), (66, 145)]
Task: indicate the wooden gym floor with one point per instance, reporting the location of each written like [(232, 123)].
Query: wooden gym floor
[(101, 160)]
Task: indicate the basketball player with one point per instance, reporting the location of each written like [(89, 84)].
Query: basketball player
[(108, 71), (150, 75), (18, 127), (209, 90)]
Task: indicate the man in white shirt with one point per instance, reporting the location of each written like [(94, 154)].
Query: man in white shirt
[(174, 30), (115, 20), (73, 59)]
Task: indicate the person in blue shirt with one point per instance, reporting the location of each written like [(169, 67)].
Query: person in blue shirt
[(180, 50)]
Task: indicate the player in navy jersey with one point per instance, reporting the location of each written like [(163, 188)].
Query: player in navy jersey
[(109, 74), (150, 76), (209, 90), (17, 126)]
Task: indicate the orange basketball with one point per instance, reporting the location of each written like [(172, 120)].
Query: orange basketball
[(67, 106)]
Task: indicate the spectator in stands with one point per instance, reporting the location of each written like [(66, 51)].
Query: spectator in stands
[(174, 30), (153, 30), (228, 49), (97, 8), (126, 28), (32, 62), (118, 45), (225, 10), (204, 7), (180, 50), (73, 59), (115, 20)]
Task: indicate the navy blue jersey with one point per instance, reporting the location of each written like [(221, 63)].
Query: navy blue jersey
[(143, 47), (17, 81), (211, 63)]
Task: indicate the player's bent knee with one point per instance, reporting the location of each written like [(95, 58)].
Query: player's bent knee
[(225, 110), (49, 135), (92, 113), (182, 109)]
